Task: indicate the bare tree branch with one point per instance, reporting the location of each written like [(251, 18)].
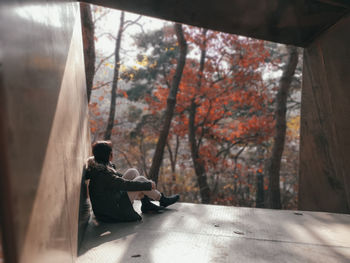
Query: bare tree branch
[(102, 61), (132, 22), (125, 156), (102, 85), (97, 18)]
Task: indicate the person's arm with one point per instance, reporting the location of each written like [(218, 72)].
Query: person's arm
[(112, 165), (125, 185)]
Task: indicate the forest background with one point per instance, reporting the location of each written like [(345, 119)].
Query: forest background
[(209, 115)]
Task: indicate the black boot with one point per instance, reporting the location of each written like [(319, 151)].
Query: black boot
[(147, 206), (166, 201)]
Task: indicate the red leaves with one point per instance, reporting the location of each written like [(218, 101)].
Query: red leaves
[(230, 97)]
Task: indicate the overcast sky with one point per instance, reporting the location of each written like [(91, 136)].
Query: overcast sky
[(110, 24)]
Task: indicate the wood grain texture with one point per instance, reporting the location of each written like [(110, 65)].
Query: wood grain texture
[(47, 137), (325, 128), (285, 21)]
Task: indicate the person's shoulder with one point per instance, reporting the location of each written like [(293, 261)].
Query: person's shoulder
[(92, 166), (113, 165), (89, 162)]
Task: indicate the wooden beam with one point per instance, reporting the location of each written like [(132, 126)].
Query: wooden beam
[(340, 3), (261, 19)]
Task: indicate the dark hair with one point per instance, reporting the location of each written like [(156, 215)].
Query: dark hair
[(102, 151)]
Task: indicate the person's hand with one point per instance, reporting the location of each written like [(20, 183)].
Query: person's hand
[(153, 185)]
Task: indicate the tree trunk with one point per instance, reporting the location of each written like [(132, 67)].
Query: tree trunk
[(198, 164), (274, 199), (173, 155), (171, 102), (193, 141), (260, 191), (110, 122), (88, 32)]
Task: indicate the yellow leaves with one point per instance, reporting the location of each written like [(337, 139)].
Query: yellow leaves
[(293, 126), (122, 68), (107, 64), (143, 62), (228, 186), (153, 65), (150, 139), (171, 49)]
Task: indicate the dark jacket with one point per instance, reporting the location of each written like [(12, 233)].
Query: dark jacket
[(108, 193)]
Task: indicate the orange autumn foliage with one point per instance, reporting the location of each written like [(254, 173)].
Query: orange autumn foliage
[(231, 100)]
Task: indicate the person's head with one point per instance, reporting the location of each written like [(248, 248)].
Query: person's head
[(102, 151)]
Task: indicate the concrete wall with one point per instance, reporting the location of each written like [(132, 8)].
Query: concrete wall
[(325, 127), (44, 134)]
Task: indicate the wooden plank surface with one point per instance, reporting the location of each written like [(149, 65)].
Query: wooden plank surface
[(324, 179), (208, 233)]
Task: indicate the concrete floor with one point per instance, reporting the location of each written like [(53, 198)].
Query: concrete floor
[(208, 233)]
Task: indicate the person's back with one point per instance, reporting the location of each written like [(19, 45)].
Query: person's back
[(112, 193), (108, 201)]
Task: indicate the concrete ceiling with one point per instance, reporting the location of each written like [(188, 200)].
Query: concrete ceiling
[(296, 22)]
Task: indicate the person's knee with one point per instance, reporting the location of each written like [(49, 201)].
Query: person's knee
[(141, 179), (131, 173)]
